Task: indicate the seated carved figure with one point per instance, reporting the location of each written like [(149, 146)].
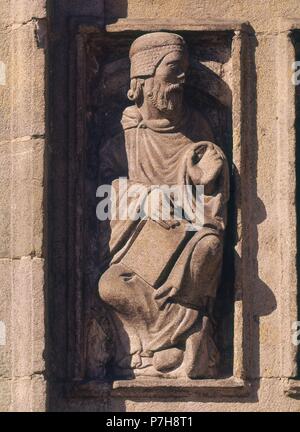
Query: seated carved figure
[(163, 277)]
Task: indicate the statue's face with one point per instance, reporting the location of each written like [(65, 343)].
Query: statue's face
[(167, 84), (172, 68)]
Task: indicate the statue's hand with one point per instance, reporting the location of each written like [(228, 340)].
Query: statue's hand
[(158, 208), (167, 224), (206, 170)]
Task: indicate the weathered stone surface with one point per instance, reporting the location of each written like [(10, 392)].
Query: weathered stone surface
[(267, 180), (255, 12), (5, 395), (28, 394), (22, 197), (6, 341), (266, 396), (263, 197), (22, 311), (5, 199), (39, 317), (28, 316), (16, 12), (22, 128), (22, 317), (27, 197), (24, 88)]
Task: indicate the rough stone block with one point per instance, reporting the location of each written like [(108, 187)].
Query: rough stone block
[(28, 323), (38, 316), (29, 395), (5, 318), (22, 317), (5, 199), (21, 395), (18, 12), (39, 394), (5, 395), (23, 91), (27, 198)]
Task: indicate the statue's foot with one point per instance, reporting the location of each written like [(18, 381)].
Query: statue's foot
[(201, 355), (168, 359), (148, 372), (164, 364)]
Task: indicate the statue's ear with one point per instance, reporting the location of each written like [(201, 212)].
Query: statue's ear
[(134, 94), (130, 95)]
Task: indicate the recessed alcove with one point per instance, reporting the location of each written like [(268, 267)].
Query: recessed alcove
[(98, 82)]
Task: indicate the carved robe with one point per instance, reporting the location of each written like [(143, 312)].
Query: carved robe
[(163, 328)]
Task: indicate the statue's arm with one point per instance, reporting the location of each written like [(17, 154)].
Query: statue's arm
[(204, 170)]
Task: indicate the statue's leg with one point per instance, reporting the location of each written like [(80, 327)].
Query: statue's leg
[(185, 322), (128, 294), (202, 356), (133, 311), (202, 275)]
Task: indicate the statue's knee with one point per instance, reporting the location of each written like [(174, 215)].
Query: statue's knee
[(206, 261), (115, 284)]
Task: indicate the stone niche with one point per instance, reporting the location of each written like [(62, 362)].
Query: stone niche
[(99, 81)]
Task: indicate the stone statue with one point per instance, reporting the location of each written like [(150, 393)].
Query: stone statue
[(163, 277)]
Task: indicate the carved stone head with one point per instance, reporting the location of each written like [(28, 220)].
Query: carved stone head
[(158, 65)]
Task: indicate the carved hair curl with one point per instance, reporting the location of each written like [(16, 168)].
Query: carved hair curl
[(135, 93)]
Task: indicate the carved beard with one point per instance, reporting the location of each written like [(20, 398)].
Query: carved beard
[(166, 97)]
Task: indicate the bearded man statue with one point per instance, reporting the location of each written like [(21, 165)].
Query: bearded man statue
[(163, 277)]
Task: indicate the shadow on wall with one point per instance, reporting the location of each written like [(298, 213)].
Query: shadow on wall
[(113, 10), (258, 298)]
